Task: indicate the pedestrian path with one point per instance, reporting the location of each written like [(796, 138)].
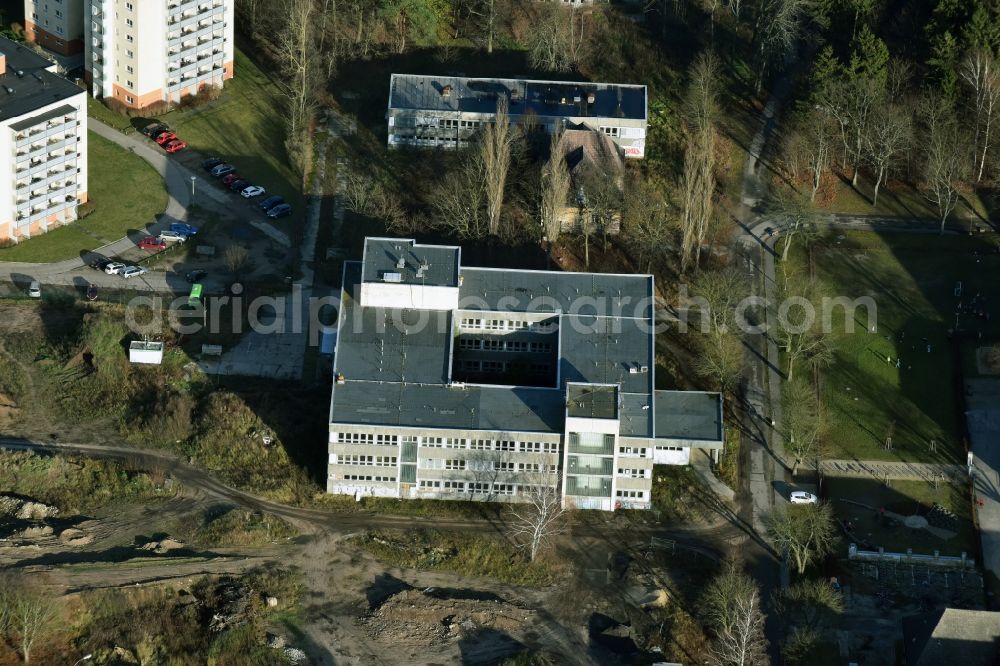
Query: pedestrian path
[(983, 418), (894, 471), (701, 462)]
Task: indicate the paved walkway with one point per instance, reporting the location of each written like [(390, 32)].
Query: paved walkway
[(983, 418), (901, 471), (701, 461)]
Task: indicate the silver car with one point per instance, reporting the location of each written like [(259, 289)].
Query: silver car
[(802, 497), (114, 268), (172, 236), (132, 271)]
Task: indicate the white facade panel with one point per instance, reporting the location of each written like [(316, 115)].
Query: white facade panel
[(408, 296)]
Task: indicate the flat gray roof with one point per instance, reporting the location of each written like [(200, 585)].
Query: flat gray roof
[(469, 407), (607, 294), (27, 84), (543, 98), (396, 364), (405, 258), (592, 402), (694, 415)]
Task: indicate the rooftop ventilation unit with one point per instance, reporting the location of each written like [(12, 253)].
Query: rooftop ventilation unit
[(446, 92), (422, 270), (392, 277), (20, 73), (401, 263), (10, 91)]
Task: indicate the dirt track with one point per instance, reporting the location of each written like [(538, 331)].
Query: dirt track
[(342, 584)]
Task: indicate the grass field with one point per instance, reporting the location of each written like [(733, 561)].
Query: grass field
[(244, 127), (126, 193), (906, 498), (912, 280)]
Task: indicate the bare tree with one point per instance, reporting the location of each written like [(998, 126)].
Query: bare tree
[(296, 49), (488, 13), (797, 331), (557, 41), (541, 515), (460, 201), (732, 610), (647, 222), (981, 72), (810, 144), (886, 140), (721, 352), (776, 29), (27, 613), (372, 198), (943, 159), (496, 154), (698, 180), (807, 532), (236, 259), (802, 421), (555, 190), (795, 217)]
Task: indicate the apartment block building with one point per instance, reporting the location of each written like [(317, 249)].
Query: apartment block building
[(55, 24), (141, 52), (43, 134), (453, 382), (446, 111)]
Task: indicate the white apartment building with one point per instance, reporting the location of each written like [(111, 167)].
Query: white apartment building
[(43, 134), (55, 24), (141, 52), (453, 382)]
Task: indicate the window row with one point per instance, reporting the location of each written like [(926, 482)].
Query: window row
[(449, 442), (367, 477), (669, 448), (507, 325), (634, 473), (632, 494), (366, 460), (367, 438), (505, 345)]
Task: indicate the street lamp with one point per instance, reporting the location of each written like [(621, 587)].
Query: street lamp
[(193, 178), (85, 657)]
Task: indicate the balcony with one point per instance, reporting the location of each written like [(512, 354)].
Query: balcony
[(589, 466), (594, 444), (588, 487)]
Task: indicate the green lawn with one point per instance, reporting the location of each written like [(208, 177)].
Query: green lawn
[(912, 280), (126, 193), (906, 498), (245, 127)]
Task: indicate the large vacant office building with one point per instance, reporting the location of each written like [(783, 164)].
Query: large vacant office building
[(55, 24), (445, 111), (43, 133), (141, 52), (452, 382)]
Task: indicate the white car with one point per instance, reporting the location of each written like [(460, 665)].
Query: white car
[(802, 497), (114, 268), (172, 236), (132, 271), (35, 290), (252, 191)]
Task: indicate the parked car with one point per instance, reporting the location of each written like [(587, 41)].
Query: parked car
[(92, 292), (802, 497), (165, 138), (270, 202), (221, 170), (281, 210), (114, 268), (132, 271), (100, 264), (152, 243), (239, 185), (228, 179), (175, 146), (35, 289), (211, 163), (183, 229), (196, 276), (172, 236), (154, 128), (253, 191)]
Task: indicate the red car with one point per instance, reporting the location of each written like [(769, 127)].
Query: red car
[(174, 146), (152, 243), (231, 178), (165, 138)]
